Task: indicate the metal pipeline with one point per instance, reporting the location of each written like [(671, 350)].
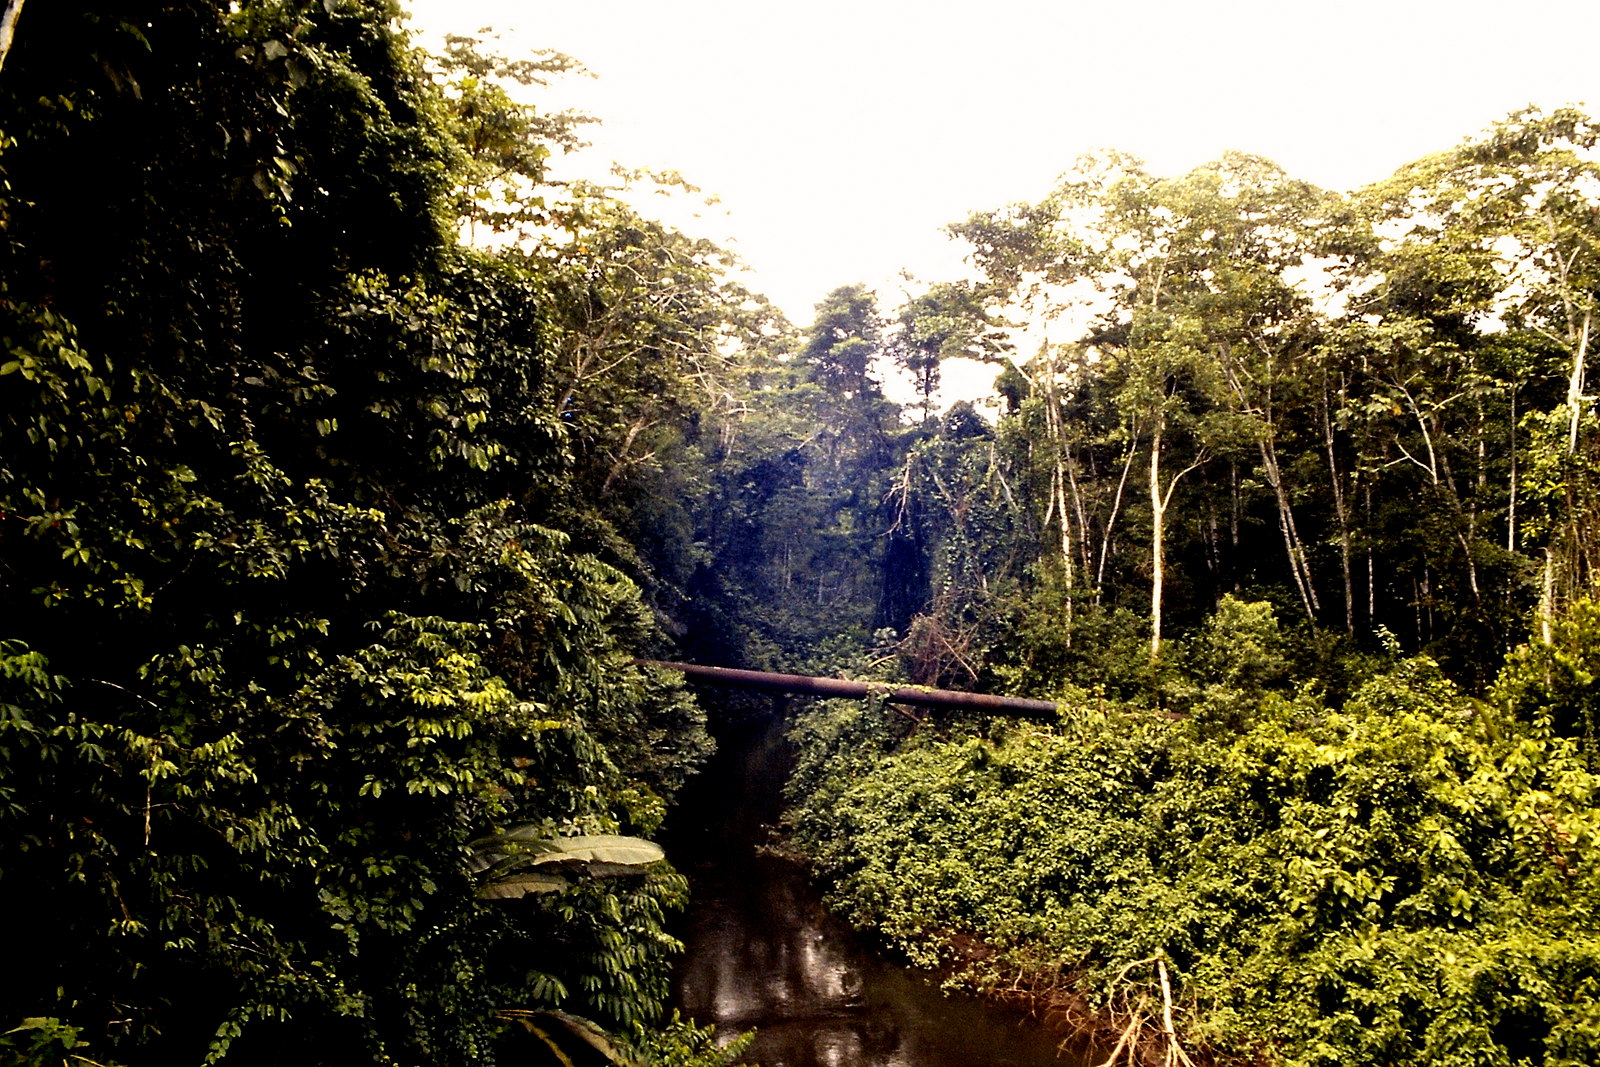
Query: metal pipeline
[(839, 687)]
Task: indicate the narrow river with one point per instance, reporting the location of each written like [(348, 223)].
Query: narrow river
[(763, 953)]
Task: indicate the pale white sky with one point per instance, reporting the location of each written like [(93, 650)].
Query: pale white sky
[(842, 134)]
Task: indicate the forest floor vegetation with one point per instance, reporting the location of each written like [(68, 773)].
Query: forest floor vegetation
[(1405, 876)]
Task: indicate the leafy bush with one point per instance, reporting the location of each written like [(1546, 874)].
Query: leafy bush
[(45, 1042), (1410, 878)]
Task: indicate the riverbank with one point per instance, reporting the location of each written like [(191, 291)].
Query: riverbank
[(1378, 882)]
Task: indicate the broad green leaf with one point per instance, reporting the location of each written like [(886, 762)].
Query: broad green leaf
[(516, 886)]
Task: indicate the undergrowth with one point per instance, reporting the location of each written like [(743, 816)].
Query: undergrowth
[(1405, 878)]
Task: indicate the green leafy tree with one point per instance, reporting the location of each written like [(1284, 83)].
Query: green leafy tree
[(1485, 300), (287, 622), (506, 142), (949, 321)]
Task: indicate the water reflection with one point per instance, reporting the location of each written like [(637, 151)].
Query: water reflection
[(762, 952)]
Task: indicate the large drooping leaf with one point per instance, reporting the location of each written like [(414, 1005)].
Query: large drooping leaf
[(609, 849), (522, 860), (518, 844), (520, 884)]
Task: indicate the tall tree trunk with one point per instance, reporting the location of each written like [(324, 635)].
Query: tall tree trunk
[(1299, 566), (1111, 520), (1085, 550), (1068, 570), (1234, 510), (1547, 594), (1058, 490), (1416, 602), (1158, 510), (1160, 501), (1575, 387), (1372, 570), (1511, 497), (1341, 511), (1464, 516), (1547, 597)]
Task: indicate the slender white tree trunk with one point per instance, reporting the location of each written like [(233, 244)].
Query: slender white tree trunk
[(8, 27), (1111, 520), (1575, 387), (1547, 598), (1299, 565), (1341, 512), (1058, 492), (1511, 506)]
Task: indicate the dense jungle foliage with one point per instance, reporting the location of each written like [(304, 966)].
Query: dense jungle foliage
[(1406, 876), (304, 583), (1300, 527), (347, 462)]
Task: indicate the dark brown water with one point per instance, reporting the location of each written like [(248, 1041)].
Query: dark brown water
[(762, 952)]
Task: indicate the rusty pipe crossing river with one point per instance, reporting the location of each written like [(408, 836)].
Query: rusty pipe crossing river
[(840, 687)]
